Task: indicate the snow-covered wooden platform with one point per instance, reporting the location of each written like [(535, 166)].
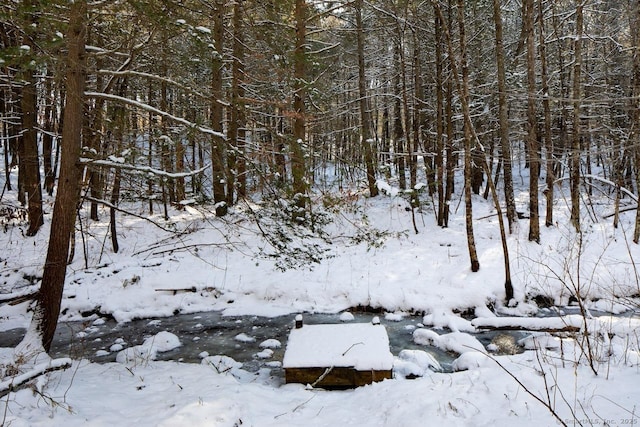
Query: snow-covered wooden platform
[(338, 356)]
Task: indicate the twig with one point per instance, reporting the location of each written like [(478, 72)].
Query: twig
[(526, 389), (324, 374), (350, 347)]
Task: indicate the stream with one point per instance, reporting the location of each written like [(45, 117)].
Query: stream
[(215, 334)]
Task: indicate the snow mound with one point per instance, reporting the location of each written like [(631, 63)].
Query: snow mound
[(346, 317), (265, 354), (148, 350), (394, 317), (539, 341), (270, 343), (458, 342), (244, 338), (470, 360), (415, 363), (221, 363)]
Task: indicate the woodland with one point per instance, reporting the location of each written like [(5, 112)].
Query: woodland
[(166, 104)]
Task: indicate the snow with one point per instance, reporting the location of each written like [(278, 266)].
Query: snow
[(271, 343), (363, 346), (415, 362), (345, 316), (161, 342), (398, 273)]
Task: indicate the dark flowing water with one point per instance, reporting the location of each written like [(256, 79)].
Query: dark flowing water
[(213, 333)]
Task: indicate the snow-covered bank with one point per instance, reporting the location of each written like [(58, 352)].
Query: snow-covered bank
[(215, 265)]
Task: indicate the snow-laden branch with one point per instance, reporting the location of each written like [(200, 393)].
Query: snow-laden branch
[(155, 77), (14, 383), (147, 107), (142, 169), (612, 184), (604, 181)]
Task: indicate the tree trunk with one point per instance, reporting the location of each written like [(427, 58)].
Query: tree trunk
[(47, 136), (45, 314), (440, 146), (237, 124), (575, 141), (532, 124), (635, 106), (29, 155), (299, 187), (221, 179), (471, 243), (365, 114), (546, 105), (29, 164), (399, 134), (503, 114)]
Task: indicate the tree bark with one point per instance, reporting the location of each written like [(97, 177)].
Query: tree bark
[(30, 166), (223, 180), (440, 146), (237, 123), (635, 107), (29, 155), (503, 117), (532, 124), (365, 114), (575, 141), (45, 315), (298, 169), (47, 136), (546, 105), (471, 243)]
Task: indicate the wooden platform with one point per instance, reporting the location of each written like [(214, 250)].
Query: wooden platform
[(338, 356)]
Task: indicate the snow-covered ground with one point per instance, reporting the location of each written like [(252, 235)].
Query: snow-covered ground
[(371, 257)]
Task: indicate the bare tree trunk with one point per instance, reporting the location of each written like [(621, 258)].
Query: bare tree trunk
[(575, 141), (365, 114), (237, 124), (503, 114), (399, 134), (471, 242), (532, 123), (463, 89), (222, 177), (47, 136), (440, 157), (546, 104), (298, 169), (118, 135), (4, 130), (45, 315), (635, 107), (30, 166), (29, 155)]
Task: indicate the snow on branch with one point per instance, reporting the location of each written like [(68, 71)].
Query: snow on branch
[(571, 323), (154, 110), (604, 181), (157, 78), (141, 169), (15, 383)]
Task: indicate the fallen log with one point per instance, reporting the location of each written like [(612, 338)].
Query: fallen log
[(572, 323), (18, 299), (19, 381)]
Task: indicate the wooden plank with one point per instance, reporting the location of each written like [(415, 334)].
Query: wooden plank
[(335, 378)]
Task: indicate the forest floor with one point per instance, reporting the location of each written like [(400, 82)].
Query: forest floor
[(366, 254)]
